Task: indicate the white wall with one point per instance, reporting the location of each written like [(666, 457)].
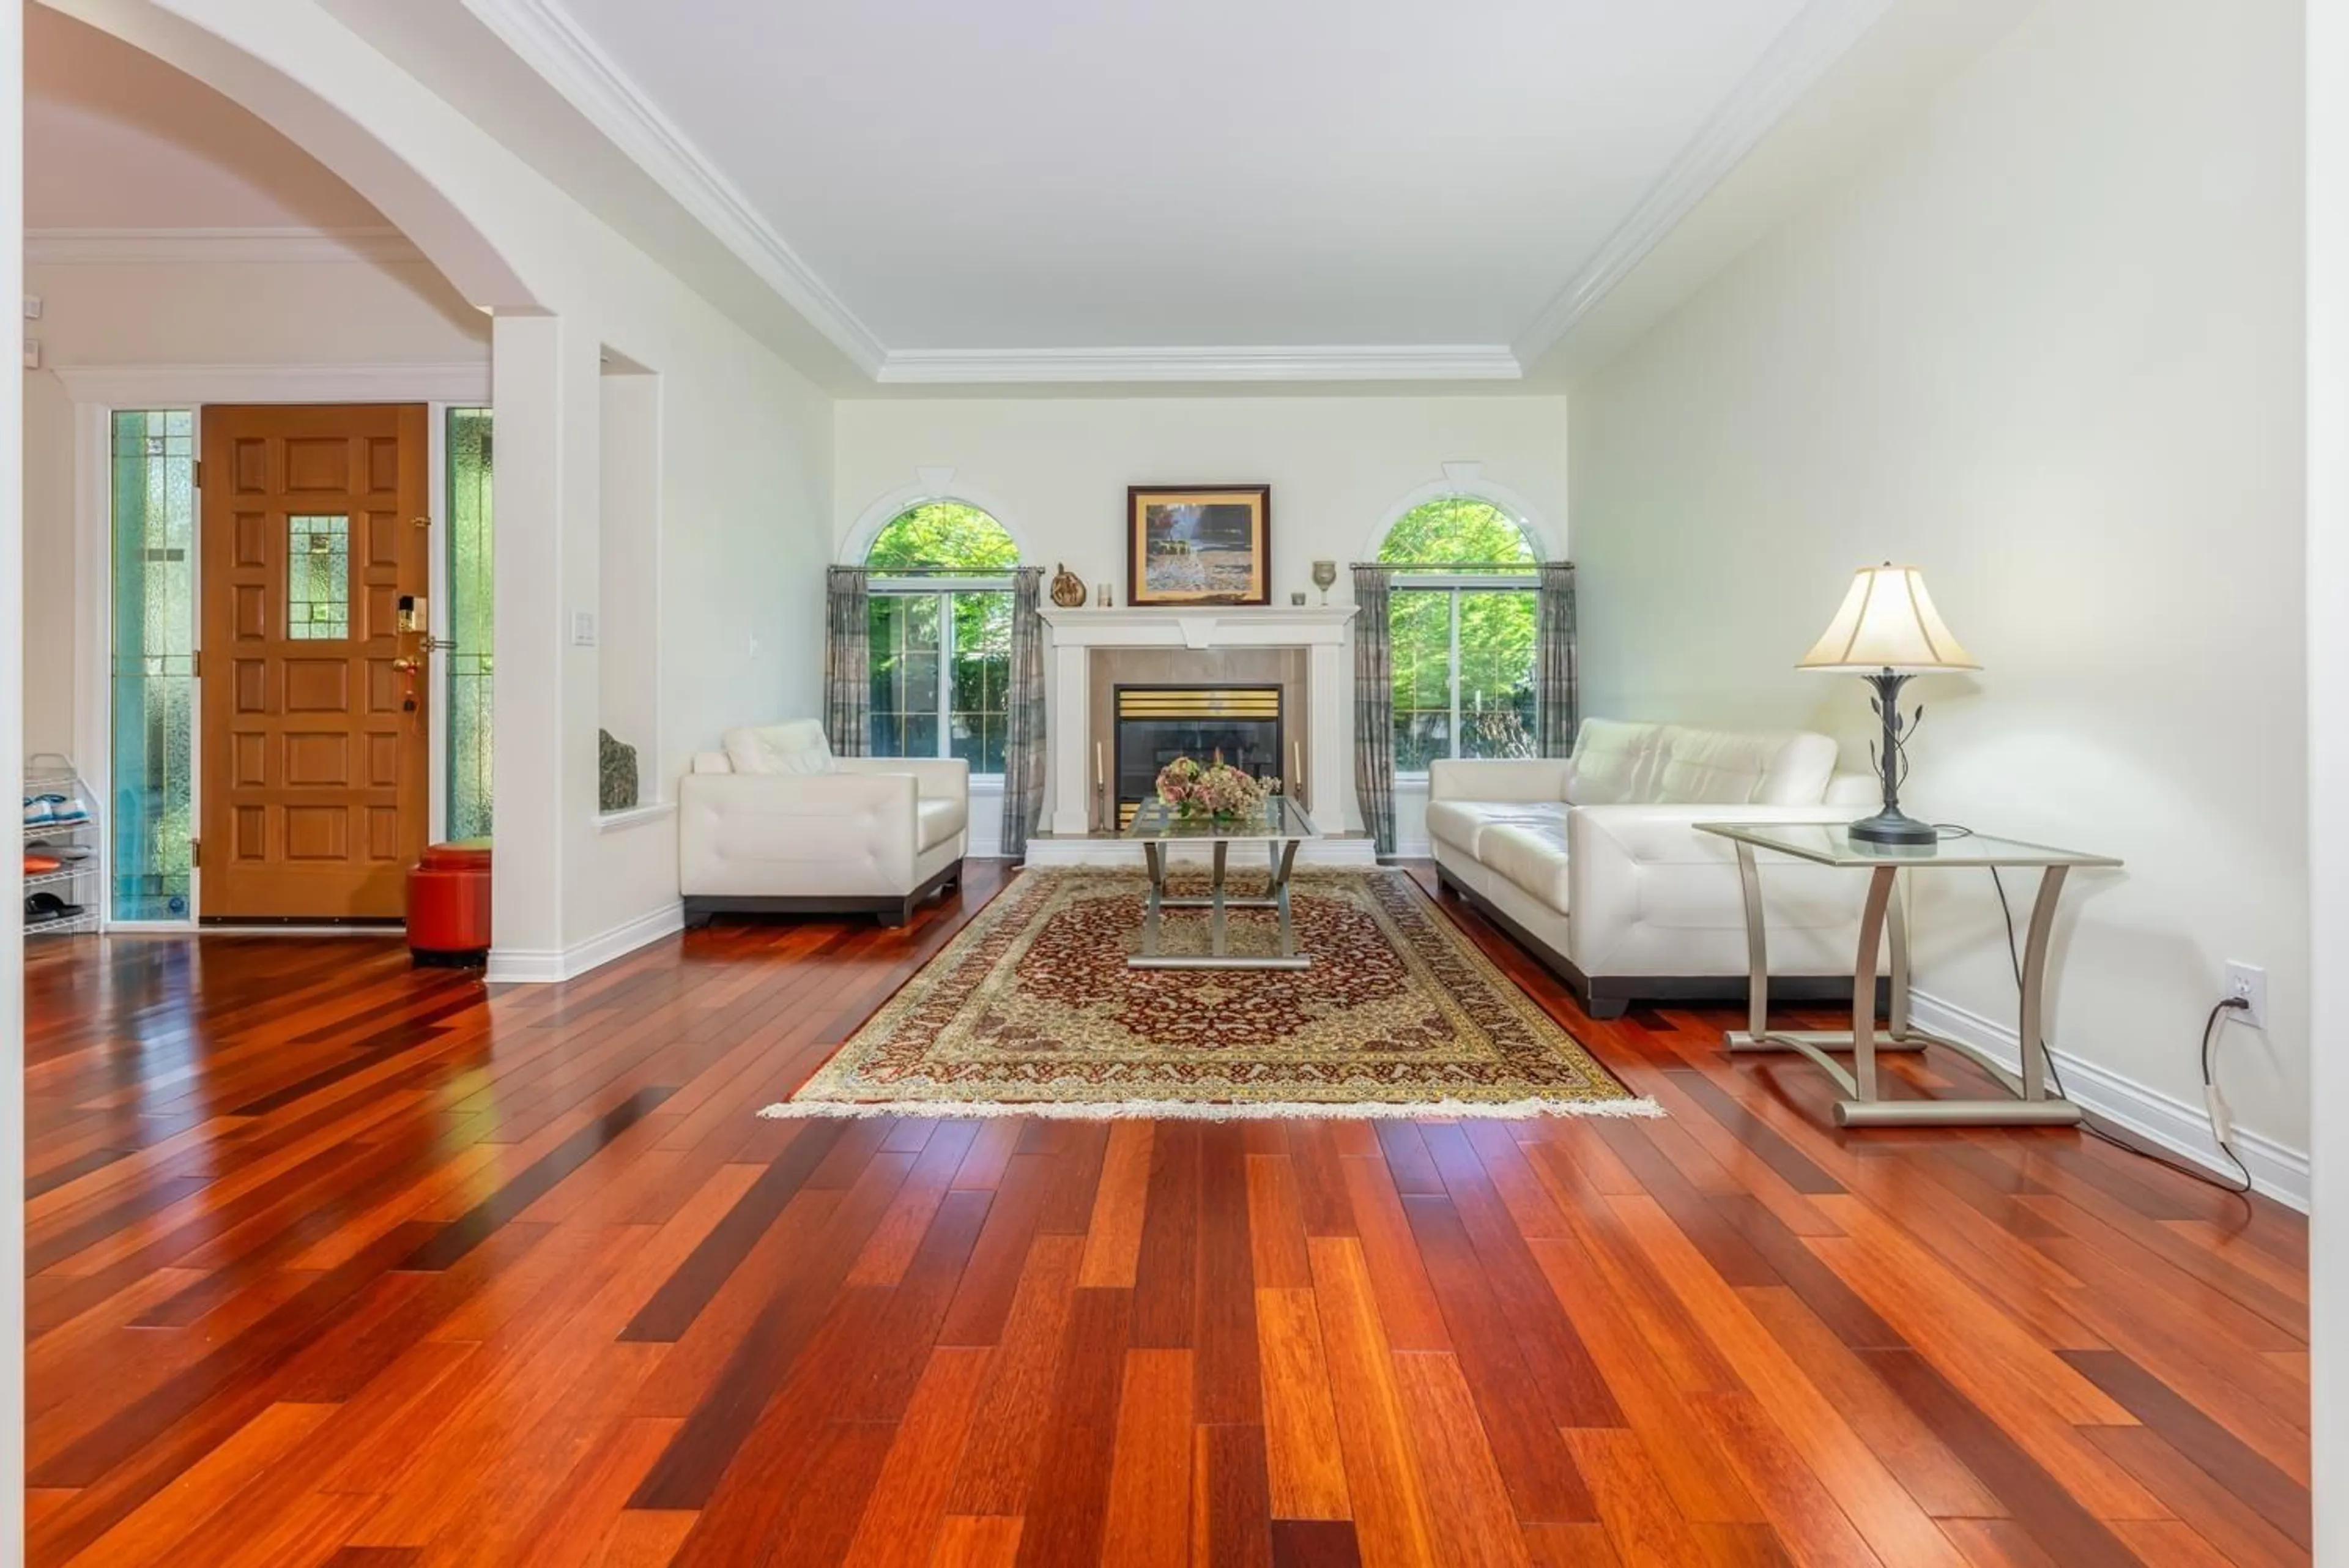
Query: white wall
[(2328, 719), (1054, 470), (355, 313), (2048, 348)]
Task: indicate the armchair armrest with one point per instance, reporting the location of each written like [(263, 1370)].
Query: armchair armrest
[(938, 778), (1454, 778)]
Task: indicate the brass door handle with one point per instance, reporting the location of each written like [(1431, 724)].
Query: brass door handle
[(408, 665)]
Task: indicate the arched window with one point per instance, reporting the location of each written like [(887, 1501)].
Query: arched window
[(1462, 617), (941, 624)]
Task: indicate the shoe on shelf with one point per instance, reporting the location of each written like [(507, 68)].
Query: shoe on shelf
[(47, 910), (57, 809), (37, 810), (68, 852), (42, 865)]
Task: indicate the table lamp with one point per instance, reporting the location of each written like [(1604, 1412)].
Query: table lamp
[(1887, 631)]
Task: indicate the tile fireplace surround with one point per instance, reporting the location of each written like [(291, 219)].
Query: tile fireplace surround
[(1078, 689)]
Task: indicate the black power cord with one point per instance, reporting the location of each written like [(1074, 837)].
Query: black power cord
[(2088, 1124)]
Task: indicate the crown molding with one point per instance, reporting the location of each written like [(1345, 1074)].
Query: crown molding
[(552, 44), (187, 386), (181, 248), (1794, 63), (1331, 362)]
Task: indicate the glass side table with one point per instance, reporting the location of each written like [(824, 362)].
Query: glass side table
[(1882, 923), (1280, 828)]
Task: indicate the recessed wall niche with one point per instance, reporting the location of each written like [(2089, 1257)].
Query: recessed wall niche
[(628, 565)]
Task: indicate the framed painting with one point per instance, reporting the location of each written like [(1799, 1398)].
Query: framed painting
[(1198, 545)]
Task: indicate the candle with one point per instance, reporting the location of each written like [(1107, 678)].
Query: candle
[(1295, 765), (1097, 764)]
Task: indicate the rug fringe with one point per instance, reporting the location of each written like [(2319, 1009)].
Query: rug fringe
[(1209, 1111)]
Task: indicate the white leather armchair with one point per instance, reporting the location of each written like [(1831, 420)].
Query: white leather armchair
[(874, 835), (1595, 863)]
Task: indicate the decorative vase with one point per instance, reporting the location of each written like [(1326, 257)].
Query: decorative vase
[(1067, 589)]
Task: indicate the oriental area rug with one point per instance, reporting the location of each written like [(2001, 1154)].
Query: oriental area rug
[(1032, 1011)]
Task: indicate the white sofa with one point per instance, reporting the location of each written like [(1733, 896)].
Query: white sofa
[(1594, 862), (864, 835)]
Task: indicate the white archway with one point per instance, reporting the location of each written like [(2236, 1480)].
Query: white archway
[(1547, 544), (254, 55)]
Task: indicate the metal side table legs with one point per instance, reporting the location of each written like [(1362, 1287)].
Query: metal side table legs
[(1882, 923)]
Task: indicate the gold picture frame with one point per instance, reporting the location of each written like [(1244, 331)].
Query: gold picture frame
[(1198, 545)]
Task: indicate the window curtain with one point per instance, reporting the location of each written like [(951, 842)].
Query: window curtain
[(1023, 751), (1557, 693), (847, 661), (1374, 706)]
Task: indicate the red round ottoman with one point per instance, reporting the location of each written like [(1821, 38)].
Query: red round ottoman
[(449, 904)]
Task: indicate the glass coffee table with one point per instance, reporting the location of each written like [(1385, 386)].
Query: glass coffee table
[(1882, 921), (1281, 827)]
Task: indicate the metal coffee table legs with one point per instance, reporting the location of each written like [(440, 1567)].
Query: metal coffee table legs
[(1864, 1106), (1219, 955)]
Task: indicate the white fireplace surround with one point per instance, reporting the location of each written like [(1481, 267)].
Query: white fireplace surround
[(1320, 630)]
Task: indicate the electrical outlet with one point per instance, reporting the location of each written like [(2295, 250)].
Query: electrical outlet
[(2249, 982)]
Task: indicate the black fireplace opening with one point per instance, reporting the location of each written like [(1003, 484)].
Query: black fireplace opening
[(1155, 724)]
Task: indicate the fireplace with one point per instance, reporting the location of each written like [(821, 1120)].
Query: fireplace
[(1155, 724)]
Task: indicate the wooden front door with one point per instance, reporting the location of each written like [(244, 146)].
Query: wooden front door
[(314, 744)]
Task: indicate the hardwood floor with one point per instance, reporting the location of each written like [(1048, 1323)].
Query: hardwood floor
[(335, 1261)]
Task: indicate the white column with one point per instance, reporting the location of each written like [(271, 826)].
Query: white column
[(11, 763), (1068, 724), (1329, 772), (526, 875)]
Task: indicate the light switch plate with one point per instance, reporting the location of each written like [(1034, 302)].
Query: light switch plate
[(582, 628)]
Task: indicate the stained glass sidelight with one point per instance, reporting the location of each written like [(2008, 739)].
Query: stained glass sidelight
[(471, 541), (154, 639), (318, 579)]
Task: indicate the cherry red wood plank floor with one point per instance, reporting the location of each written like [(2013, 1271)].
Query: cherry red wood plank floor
[(336, 1261)]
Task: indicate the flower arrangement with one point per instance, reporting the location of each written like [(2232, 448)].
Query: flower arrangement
[(1217, 790)]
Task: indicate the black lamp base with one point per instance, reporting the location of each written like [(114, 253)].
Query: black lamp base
[(1893, 825)]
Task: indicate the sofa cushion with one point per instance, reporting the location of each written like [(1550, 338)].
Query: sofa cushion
[(1461, 824), (794, 746), (1613, 763), (1531, 856), (1742, 767), (939, 819)]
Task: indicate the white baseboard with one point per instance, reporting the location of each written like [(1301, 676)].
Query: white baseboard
[(544, 966), (2179, 1126), (1050, 850)]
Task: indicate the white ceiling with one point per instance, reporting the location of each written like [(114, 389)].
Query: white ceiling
[(1082, 190), (116, 140)]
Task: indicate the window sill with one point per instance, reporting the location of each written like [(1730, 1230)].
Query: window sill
[(986, 784), (635, 816)]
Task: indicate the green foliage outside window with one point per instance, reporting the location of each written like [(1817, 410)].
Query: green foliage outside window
[(942, 533), (922, 636), (1481, 706)]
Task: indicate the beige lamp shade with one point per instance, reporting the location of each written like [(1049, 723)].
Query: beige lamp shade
[(1887, 622)]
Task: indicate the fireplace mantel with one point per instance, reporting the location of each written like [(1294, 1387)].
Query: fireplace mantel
[(1320, 630), (1211, 626)]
